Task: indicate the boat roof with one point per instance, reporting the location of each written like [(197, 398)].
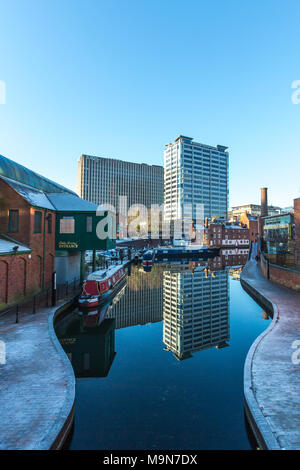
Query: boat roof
[(103, 274), (184, 247)]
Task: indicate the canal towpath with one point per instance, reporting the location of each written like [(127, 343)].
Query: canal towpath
[(272, 367)]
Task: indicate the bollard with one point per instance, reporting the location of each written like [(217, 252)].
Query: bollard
[(17, 314), (53, 300), (34, 305)]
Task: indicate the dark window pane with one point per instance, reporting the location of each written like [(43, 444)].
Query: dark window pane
[(49, 223), (13, 221), (37, 222), (89, 224)]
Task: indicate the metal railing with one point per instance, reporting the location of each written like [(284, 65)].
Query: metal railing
[(41, 300)]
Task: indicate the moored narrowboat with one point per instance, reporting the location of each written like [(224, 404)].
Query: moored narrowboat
[(148, 258), (191, 252), (101, 284)]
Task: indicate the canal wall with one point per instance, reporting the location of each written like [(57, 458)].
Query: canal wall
[(271, 377), (37, 389), (283, 275)]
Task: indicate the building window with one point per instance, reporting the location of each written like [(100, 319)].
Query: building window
[(37, 222), (67, 225), (49, 220), (89, 223), (13, 221)]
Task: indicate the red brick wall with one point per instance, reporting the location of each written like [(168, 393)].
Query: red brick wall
[(253, 230), (16, 279), (212, 232), (285, 277), (23, 274), (9, 199)]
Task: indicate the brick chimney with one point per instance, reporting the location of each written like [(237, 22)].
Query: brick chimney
[(264, 202)]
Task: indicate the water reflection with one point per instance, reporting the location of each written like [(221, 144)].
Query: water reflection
[(191, 298), (184, 308), (195, 310), (88, 338), (143, 299), (91, 349)]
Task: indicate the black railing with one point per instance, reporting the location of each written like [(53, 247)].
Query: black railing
[(41, 300)]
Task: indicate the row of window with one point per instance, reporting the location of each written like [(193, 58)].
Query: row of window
[(67, 224), (13, 221)]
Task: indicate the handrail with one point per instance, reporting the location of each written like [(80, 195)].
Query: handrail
[(62, 291)]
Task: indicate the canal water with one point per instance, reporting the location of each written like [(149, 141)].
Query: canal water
[(161, 366)]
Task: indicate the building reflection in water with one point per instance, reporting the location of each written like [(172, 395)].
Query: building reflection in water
[(191, 299), (196, 303), (195, 311), (142, 302)]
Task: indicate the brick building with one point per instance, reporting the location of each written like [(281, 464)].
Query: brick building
[(254, 224), (44, 227), (28, 224), (226, 235), (297, 230), (14, 260)]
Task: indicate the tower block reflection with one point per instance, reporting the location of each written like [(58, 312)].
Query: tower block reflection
[(142, 302), (195, 311)]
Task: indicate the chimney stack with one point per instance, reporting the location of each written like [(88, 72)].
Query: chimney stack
[(264, 202)]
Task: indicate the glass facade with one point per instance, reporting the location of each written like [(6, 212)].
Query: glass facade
[(279, 233)]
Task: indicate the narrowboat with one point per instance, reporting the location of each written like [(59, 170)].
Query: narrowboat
[(148, 258), (191, 252), (100, 285)]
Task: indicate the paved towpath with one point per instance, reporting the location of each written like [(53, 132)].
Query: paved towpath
[(37, 383), (272, 374)]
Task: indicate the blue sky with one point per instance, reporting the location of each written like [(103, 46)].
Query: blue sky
[(121, 78)]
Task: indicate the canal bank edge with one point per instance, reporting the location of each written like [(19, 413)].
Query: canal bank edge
[(258, 422), (58, 434)]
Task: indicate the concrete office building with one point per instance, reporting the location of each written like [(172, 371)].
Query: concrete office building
[(103, 180), (194, 174)]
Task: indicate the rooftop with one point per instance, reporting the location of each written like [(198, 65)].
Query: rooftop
[(20, 173), (41, 192), (110, 159), (34, 197), (9, 245), (221, 148)]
